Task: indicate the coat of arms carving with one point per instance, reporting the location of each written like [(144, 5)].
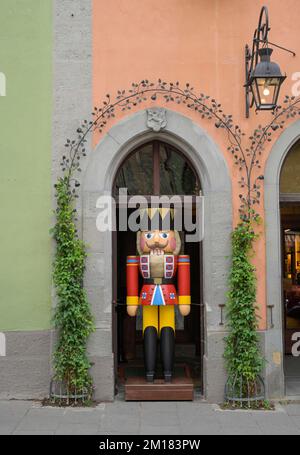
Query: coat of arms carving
[(156, 119)]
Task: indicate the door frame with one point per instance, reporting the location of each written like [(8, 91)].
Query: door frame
[(211, 166), (273, 335), (115, 331)]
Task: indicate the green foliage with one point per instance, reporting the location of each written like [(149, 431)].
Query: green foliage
[(243, 359), (72, 318), (260, 405)]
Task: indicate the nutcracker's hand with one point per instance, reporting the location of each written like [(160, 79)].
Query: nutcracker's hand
[(132, 310), (184, 309)]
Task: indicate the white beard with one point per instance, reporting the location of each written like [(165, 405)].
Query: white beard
[(157, 265)]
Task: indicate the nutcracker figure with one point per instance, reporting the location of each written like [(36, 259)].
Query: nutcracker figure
[(158, 262)]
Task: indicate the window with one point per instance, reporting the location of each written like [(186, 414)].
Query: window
[(290, 174), (157, 168)]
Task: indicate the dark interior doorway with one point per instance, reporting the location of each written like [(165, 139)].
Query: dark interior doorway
[(290, 229), (290, 237), (156, 168)]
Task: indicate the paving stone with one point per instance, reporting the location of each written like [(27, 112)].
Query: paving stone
[(45, 412), (296, 421), (82, 416), (126, 424), (147, 418), (16, 405), (6, 429), (238, 419), (159, 406), (101, 407), (156, 430), (200, 429), (116, 433), (279, 431), (292, 409), (123, 408), (201, 408), (37, 425), (159, 418), (77, 428), (6, 418), (13, 411), (32, 432), (276, 423), (241, 431), (196, 418), (41, 419)]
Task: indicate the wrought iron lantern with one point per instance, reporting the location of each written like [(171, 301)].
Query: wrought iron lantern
[(265, 81), (264, 77)]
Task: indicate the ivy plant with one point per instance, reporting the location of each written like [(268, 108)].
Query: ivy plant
[(242, 353), (72, 318)]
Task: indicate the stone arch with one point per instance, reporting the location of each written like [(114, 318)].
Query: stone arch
[(274, 340), (213, 172)]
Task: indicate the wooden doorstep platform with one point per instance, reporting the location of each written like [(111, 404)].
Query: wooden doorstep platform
[(138, 389)]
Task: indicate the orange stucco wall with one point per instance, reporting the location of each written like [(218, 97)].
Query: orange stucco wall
[(196, 41)]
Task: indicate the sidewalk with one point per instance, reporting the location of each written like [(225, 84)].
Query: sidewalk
[(145, 418)]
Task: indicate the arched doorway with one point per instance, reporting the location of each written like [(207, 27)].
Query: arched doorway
[(279, 201), (157, 168), (102, 167), (290, 236)]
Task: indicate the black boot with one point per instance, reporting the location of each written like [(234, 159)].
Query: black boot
[(150, 349), (167, 348)]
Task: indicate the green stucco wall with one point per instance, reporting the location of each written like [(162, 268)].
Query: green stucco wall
[(25, 167)]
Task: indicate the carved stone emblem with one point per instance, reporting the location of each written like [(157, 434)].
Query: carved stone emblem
[(156, 119)]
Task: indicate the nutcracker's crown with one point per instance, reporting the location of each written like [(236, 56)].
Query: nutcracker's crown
[(157, 218)]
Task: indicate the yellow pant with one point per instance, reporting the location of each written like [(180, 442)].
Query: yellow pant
[(158, 317)]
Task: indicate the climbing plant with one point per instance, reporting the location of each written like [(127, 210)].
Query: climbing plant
[(72, 317), (243, 358)]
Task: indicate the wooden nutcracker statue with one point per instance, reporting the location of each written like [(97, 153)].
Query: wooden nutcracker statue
[(158, 262)]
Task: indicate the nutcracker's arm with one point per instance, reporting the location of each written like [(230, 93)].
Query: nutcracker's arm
[(184, 284), (132, 284)]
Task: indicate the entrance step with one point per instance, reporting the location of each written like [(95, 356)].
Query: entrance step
[(180, 389)]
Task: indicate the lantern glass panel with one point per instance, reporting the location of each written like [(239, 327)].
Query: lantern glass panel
[(265, 92)]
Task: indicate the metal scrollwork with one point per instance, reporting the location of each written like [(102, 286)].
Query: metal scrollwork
[(245, 152)]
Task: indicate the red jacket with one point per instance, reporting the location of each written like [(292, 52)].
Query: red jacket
[(158, 294)]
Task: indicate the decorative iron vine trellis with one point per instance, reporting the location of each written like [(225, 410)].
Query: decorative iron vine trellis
[(246, 155)]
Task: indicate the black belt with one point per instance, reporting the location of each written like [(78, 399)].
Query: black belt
[(163, 281)]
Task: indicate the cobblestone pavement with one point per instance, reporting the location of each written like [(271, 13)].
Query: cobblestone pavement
[(145, 418)]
